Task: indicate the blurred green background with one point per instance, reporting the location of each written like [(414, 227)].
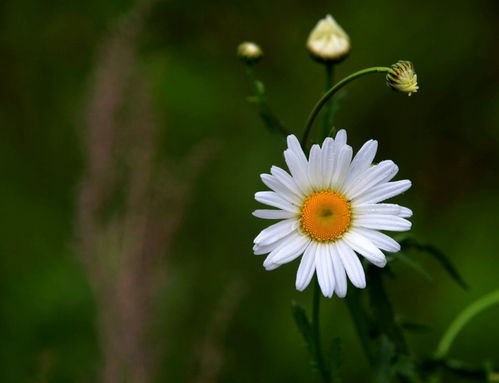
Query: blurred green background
[(444, 138)]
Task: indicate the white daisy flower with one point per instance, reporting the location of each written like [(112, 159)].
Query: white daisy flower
[(329, 210)]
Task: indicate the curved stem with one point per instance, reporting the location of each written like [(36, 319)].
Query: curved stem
[(330, 93), (327, 121), (316, 333), (464, 317)]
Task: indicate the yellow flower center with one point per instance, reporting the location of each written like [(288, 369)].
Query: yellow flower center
[(325, 216)]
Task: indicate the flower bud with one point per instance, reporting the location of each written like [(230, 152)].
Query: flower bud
[(328, 42), (249, 52), (403, 77)]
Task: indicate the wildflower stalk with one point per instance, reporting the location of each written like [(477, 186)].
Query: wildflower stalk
[(331, 92), (319, 357), (361, 323), (462, 319), (259, 97)]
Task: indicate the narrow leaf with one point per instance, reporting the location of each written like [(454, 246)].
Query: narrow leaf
[(444, 261), (303, 325), (416, 266), (383, 312), (415, 327), (405, 367), (384, 357)]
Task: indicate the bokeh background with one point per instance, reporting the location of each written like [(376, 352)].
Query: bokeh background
[(129, 157)]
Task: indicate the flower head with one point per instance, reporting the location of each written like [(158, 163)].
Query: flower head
[(249, 52), (329, 211), (403, 77), (328, 41)]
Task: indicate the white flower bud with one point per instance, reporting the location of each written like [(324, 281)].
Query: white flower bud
[(249, 52), (328, 41), (403, 77)]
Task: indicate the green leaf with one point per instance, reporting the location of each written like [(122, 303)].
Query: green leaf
[(365, 326), (335, 360), (384, 357), (444, 261), (414, 327), (259, 87), (407, 260), (406, 368), (303, 325), (382, 310), (270, 120)]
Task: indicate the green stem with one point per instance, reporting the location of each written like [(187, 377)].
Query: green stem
[(330, 93), (265, 112), (316, 333), (327, 121), (462, 319), (459, 368), (361, 322)]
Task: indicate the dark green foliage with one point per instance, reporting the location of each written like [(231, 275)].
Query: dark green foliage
[(406, 259), (335, 360), (301, 320), (329, 366), (385, 354), (382, 311), (444, 139), (412, 244), (268, 117)]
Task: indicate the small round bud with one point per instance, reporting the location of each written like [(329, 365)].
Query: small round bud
[(403, 77), (328, 42), (249, 52)]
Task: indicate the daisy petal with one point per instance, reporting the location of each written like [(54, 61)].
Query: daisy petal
[(324, 268), (378, 208), (326, 163), (352, 265), (288, 252), (281, 189), (273, 214), (339, 272), (259, 249), (384, 191), (365, 248), (341, 137), (383, 222), (299, 170), (315, 166), (269, 266), (276, 231), (405, 212), (307, 267), (380, 240), (273, 199), (284, 178), (362, 160), (295, 147), (341, 167), (375, 175)]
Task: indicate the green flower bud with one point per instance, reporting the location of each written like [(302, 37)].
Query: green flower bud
[(403, 77)]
